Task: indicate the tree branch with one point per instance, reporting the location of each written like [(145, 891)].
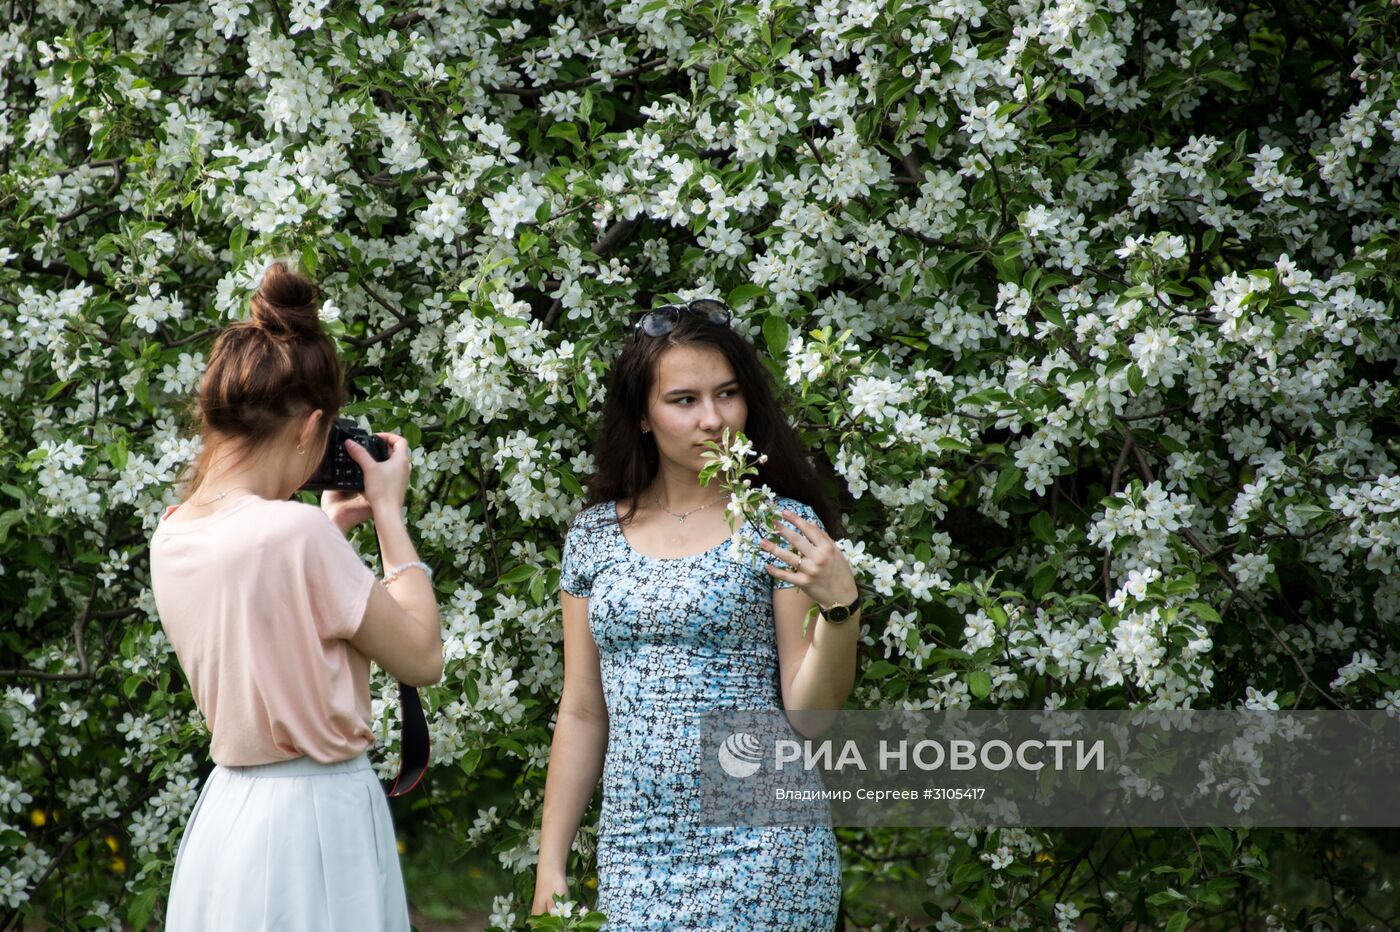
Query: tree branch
[(192, 338), (79, 643), (573, 85), (610, 240), (1145, 471)]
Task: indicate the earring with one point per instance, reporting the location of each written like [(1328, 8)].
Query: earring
[(646, 430), (300, 451)]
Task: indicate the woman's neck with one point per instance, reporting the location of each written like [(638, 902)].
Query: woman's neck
[(238, 481), (681, 493)]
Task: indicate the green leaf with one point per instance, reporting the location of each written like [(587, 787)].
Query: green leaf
[(77, 260), (979, 682), (718, 71), (775, 334), (969, 873), (1203, 611), (1007, 480), (143, 906), (518, 575), (8, 520), (1228, 80), (1169, 443), (567, 131), (880, 669), (1043, 527), (117, 453), (1178, 922), (987, 396), (1311, 512), (570, 482), (896, 91), (744, 293)]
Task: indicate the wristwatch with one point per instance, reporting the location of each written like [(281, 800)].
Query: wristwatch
[(840, 614)]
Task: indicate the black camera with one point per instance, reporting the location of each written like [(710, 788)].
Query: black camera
[(337, 469)]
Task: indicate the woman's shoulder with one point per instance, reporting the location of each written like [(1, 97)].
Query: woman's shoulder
[(594, 517), (289, 522), (797, 506), (599, 514), (246, 511)]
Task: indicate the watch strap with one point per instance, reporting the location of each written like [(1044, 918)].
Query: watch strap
[(840, 614)]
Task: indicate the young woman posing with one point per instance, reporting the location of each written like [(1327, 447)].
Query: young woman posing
[(274, 620), (661, 624)]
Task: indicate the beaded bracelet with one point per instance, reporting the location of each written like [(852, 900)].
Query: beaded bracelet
[(393, 572)]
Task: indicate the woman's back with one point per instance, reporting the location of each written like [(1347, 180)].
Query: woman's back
[(258, 599)]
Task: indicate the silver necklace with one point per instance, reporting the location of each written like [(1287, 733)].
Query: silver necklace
[(222, 494), (681, 516)]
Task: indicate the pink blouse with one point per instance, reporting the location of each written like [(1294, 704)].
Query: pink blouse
[(258, 600)]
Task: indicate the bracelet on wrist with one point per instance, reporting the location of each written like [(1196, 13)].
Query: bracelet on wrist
[(392, 573)]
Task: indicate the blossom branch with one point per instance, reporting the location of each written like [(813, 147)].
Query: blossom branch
[(610, 240), (589, 81), (1145, 471), (79, 632)]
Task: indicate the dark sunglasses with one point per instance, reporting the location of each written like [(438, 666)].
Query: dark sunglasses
[(660, 321)]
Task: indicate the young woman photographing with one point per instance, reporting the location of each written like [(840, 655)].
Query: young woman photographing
[(661, 624), (275, 620)]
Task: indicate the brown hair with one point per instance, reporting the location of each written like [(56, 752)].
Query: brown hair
[(263, 371), (627, 460)]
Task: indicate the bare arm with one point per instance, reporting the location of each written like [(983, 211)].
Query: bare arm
[(575, 757), (817, 670), (400, 630)]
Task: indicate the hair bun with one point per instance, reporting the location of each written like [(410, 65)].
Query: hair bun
[(286, 303)]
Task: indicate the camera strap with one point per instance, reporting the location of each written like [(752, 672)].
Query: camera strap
[(413, 742)]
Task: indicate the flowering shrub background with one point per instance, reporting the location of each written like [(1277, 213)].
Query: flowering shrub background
[(1087, 306)]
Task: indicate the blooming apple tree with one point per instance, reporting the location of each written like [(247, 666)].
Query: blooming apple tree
[(1086, 307)]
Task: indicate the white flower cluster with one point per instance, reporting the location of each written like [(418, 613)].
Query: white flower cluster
[(1149, 516)]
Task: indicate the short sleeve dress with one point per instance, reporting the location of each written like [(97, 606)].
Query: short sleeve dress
[(677, 638)]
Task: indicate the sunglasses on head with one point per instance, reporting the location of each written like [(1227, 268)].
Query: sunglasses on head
[(660, 321)]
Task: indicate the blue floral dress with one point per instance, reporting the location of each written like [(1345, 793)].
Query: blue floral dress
[(676, 638)]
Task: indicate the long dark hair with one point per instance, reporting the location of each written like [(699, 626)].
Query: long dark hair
[(263, 371), (627, 459)]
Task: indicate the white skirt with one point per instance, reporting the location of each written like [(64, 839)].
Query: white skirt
[(296, 845)]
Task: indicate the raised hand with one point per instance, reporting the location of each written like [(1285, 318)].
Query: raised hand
[(814, 563)]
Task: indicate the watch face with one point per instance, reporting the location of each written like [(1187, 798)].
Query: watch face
[(838, 613)]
